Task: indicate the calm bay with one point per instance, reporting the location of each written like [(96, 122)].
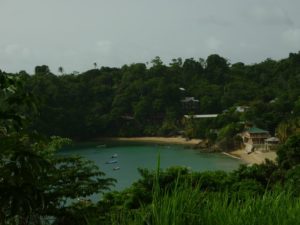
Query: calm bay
[(130, 156)]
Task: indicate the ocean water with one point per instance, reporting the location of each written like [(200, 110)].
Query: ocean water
[(131, 156)]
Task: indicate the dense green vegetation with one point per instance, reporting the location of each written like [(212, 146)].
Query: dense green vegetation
[(188, 206), (35, 183), (139, 99)]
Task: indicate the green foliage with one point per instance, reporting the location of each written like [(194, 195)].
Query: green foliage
[(266, 174), (227, 137), (16, 104), (248, 186), (42, 70), (34, 182), (75, 177), (288, 128), (135, 100), (289, 153), (216, 69), (22, 174), (187, 205), (292, 180)]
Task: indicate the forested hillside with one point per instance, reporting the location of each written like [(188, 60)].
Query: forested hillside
[(141, 99)]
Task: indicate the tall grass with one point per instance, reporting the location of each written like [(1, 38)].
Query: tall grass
[(187, 205)]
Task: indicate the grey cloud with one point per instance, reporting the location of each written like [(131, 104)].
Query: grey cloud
[(292, 37), (104, 46), (11, 49), (76, 33), (213, 20), (213, 43), (271, 15)]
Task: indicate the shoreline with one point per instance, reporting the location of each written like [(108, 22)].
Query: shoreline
[(256, 157), (165, 140)]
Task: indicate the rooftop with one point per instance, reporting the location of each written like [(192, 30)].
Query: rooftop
[(256, 130), (201, 116), (189, 99)]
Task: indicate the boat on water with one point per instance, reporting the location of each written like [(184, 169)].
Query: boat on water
[(114, 156), (116, 168), (111, 161)]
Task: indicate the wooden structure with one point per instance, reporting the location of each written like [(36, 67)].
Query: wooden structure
[(255, 137), (271, 143)]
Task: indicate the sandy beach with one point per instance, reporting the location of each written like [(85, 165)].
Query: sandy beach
[(256, 157), (166, 140)]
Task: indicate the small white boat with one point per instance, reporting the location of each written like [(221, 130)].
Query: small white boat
[(116, 168), (111, 161), (114, 156)]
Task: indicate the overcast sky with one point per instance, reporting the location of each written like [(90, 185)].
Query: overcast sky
[(76, 33)]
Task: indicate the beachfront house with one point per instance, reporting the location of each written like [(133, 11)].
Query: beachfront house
[(271, 143), (254, 138)]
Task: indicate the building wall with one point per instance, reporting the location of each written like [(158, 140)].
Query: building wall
[(255, 141)]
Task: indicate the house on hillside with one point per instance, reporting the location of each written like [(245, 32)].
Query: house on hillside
[(190, 104), (202, 116), (241, 109), (254, 138)]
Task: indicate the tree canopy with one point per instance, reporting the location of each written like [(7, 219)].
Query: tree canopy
[(140, 99)]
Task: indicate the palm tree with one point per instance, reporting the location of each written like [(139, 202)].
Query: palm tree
[(61, 69)]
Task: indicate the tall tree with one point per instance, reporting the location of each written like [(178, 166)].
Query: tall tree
[(34, 182), (61, 70), (42, 70)]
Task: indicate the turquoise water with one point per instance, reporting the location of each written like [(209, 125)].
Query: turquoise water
[(133, 155)]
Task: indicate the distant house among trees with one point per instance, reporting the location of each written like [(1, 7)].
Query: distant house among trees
[(190, 104), (203, 116), (241, 109)]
